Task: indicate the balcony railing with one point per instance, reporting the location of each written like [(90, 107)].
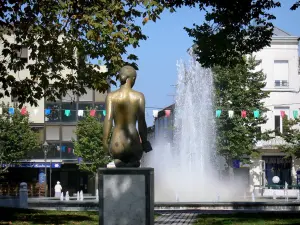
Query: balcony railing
[(67, 115), (63, 151)]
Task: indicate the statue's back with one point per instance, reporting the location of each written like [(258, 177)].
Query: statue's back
[(125, 142)]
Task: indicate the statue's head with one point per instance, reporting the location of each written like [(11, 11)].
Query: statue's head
[(127, 74)]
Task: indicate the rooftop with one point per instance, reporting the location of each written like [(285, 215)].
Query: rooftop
[(280, 33)]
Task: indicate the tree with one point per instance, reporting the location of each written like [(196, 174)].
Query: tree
[(232, 29), (66, 36), (239, 88), (291, 135), (89, 145), (17, 139), (63, 37)]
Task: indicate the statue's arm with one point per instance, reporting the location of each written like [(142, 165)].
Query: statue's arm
[(108, 121), (143, 126)]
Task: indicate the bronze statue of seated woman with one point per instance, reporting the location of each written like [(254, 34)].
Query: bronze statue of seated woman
[(125, 107)]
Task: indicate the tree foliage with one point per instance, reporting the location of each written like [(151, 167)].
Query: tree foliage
[(88, 144), (65, 37), (291, 135), (239, 88), (17, 139), (232, 29)]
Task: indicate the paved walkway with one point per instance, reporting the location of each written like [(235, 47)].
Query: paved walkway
[(176, 218)]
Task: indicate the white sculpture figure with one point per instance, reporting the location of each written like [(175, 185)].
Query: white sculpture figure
[(253, 197), (67, 196), (58, 189), (177, 197), (81, 196), (62, 196), (286, 191), (78, 197), (97, 194), (274, 195)]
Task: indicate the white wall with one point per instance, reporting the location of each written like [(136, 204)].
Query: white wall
[(282, 98), (282, 48)]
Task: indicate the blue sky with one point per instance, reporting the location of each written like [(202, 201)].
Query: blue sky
[(168, 42)]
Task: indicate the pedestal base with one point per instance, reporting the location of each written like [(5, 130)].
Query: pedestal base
[(126, 196)]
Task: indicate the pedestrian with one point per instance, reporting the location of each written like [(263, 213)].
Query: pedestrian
[(57, 189)]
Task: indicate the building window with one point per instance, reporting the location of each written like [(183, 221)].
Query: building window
[(69, 112), (69, 97), (68, 133), (84, 109), (100, 97), (52, 133), (278, 119), (22, 54), (53, 112), (67, 150), (88, 97), (278, 166), (100, 107), (40, 132), (281, 73), (54, 150)]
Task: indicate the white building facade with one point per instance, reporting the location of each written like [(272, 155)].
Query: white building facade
[(280, 63)]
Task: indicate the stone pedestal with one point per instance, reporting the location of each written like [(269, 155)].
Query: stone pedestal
[(126, 196)]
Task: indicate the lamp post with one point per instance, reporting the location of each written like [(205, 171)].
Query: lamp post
[(45, 149)]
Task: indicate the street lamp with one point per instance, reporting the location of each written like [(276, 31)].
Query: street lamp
[(45, 149)]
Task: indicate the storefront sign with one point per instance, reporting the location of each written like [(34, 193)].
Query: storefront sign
[(35, 165)]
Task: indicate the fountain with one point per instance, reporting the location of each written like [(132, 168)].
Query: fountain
[(189, 169)]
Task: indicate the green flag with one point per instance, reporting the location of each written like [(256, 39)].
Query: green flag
[(295, 114), (256, 113)]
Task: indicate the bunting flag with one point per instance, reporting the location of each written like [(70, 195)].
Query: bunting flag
[(47, 112), (67, 112), (256, 114), (11, 111), (80, 112), (167, 113), (218, 113), (92, 112), (295, 114), (244, 114), (23, 111)]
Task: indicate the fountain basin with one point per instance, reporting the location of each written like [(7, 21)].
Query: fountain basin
[(261, 205)]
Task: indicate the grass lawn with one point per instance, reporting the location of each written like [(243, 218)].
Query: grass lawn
[(19, 216), (30, 217), (250, 219)]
